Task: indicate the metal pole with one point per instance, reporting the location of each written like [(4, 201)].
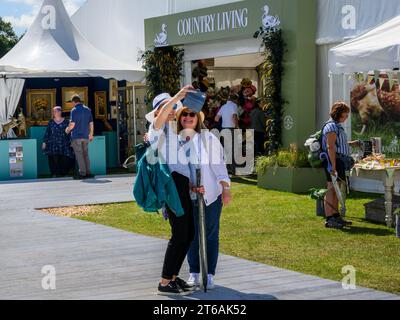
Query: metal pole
[(202, 235), (330, 89)]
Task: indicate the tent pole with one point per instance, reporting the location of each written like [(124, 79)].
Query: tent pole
[(330, 90)]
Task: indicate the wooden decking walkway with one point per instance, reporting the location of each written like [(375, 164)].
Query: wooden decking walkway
[(97, 262)]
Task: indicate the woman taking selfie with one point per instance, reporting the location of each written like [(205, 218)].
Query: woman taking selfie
[(193, 150)]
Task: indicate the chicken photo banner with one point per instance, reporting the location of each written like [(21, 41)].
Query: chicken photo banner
[(376, 112), (376, 75), (391, 82)]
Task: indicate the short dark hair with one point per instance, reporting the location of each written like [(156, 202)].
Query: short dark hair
[(338, 109), (76, 99)]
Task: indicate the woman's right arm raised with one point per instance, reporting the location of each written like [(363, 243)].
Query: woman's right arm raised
[(162, 118)]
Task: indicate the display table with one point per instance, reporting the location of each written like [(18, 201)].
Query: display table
[(111, 149), (18, 160), (388, 177), (97, 156), (37, 133)]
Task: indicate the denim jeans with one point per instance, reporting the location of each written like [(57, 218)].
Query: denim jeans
[(213, 215)]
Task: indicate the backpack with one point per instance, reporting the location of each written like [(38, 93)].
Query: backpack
[(314, 144)]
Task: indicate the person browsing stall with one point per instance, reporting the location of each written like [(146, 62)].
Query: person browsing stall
[(337, 147), (81, 128), (57, 145)]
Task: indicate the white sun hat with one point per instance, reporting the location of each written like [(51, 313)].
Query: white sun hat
[(157, 102)]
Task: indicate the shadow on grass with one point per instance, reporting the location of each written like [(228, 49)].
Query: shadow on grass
[(368, 231), (248, 180), (363, 195)]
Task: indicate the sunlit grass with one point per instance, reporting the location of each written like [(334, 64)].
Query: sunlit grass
[(282, 229)]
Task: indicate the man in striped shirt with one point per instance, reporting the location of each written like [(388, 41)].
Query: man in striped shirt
[(336, 145)]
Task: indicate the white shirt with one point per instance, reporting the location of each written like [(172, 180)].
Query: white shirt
[(206, 153), (227, 112), (210, 155), (170, 152)]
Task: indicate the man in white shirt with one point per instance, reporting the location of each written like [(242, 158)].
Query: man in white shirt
[(229, 115), (230, 120)]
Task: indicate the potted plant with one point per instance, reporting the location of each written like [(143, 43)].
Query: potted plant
[(397, 213), (290, 171), (319, 196)]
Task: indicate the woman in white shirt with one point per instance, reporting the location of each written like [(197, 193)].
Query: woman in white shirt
[(198, 148)]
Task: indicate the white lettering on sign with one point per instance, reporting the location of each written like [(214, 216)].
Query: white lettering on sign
[(222, 21), (49, 19), (349, 21)]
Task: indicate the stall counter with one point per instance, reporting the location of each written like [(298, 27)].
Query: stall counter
[(388, 177), (97, 153), (18, 160)]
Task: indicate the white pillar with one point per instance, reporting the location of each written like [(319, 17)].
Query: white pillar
[(187, 72), (330, 90)]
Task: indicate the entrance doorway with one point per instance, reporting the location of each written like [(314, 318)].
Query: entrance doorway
[(132, 109)]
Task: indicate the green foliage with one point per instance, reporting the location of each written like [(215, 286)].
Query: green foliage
[(8, 38), (164, 70), (283, 159), (272, 72), (318, 194)]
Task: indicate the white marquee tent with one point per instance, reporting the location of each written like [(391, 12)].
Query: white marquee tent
[(53, 48), (375, 50), (378, 49)]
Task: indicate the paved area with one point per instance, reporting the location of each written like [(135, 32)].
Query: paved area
[(99, 263)]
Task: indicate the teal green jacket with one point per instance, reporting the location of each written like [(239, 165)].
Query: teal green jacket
[(154, 186)]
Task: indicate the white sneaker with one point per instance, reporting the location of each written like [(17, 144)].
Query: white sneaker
[(211, 284), (194, 279)]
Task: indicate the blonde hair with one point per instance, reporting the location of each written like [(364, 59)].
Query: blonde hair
[(200, 123)]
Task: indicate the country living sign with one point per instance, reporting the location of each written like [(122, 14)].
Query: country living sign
[(231, 20), (221, 21), (240, 20)]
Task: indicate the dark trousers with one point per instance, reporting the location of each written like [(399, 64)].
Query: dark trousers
[(259, 140), (232, 162), (59, 165), (182, 229)]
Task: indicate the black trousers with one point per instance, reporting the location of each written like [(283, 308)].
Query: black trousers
[(259, 141), (232, 162), (59, 165), (182, 229)]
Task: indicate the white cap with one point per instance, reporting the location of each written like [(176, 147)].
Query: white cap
[(157, 103)]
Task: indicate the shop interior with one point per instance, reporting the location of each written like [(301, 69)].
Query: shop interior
[(223, 77)]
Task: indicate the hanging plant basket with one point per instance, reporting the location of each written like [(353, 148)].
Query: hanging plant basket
[(164, 70), (272, 72)]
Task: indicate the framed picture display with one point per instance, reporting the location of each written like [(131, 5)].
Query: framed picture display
[(39, 105), (68, 93), (114, 112), (100, 99), (113, 90)]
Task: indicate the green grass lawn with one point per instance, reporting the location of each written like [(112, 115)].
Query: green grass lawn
[(281, 229)]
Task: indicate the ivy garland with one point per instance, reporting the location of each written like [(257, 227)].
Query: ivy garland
[(271, 74), (164, 70)]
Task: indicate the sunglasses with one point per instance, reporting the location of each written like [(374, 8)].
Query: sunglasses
[(189, 114)]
